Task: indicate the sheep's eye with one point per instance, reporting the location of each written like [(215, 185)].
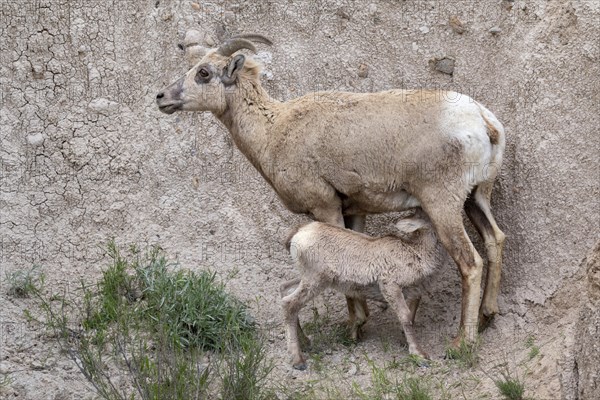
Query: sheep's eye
[(203, 73)]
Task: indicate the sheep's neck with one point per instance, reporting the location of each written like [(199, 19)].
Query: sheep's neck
[(249, 114)]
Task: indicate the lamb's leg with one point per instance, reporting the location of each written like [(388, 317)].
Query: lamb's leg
[(292, 304), (393, 294), (286, 286), (284, 290), (478, 209), (357, 308), (413, 298), (447, 220)]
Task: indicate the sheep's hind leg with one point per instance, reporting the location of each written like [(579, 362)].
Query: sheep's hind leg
[(357, 307), (448, 224), (393, 294), (292, 304), (478, 209)]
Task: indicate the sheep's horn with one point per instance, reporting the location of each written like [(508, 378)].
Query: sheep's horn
[(255, 38), (233, 45)]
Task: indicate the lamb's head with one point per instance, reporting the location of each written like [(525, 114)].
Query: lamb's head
[(206, 85), (412, 228)]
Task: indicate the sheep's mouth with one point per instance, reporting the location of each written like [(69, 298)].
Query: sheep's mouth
[(169, 108)]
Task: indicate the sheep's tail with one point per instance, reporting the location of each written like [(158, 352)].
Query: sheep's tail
[(495, 130)]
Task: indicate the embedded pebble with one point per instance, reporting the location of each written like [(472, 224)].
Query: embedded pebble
[(363, 70), (36, 139), (444, 65), (456, 25)]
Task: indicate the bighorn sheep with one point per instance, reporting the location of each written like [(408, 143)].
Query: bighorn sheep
[(339, 156), (359, 266)]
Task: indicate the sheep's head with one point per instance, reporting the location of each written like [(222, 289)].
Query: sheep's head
[(204, 86)]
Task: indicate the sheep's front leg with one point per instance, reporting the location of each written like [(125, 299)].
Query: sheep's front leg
[(393, 294), (292, 304)]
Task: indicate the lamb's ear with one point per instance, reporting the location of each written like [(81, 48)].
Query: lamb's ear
[(230, 72), (408, 225)]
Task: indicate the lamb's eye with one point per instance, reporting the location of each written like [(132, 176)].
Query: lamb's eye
[(203, 73)]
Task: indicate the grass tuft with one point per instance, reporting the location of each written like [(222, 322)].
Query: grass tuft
[(325, 333), (466, 353), (510, 388), (410, 387), (24, 283)]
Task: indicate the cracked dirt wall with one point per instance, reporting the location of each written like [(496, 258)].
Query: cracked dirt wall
[(85, 154)]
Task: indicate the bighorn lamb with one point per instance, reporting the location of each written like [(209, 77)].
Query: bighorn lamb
[(340, 156), (359, 266)]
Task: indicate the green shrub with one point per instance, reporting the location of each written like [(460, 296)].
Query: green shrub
[(170, 333)]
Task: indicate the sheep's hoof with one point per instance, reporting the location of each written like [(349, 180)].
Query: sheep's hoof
[(300, 366), (485, 321)]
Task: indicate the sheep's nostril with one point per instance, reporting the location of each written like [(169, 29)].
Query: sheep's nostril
[(160, 95)]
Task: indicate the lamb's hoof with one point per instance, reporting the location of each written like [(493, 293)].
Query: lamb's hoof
[(301, 366), (421, 359), (356, 331)]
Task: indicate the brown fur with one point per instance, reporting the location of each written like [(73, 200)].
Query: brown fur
[(492, 132)]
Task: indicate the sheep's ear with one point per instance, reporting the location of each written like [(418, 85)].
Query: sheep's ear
[(409, 225), (230, 72)]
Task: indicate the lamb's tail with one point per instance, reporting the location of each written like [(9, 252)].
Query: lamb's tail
[(288, 241)]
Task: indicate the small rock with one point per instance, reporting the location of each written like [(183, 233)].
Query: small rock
[(4, 370), (229, 17), (103, 106), (444, 65), (268, 75), (424, 29), (196, 6), (192, 37), (495, 30), (415, 46), (167, 15), (38, 71), (221, 33), (352, 370), (36, 365), (209, 41), (363, 70), (36, 139), (341, 12), (456, 25)]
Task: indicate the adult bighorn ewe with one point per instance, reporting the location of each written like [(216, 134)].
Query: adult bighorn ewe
[(339, 156), (359, 266)]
